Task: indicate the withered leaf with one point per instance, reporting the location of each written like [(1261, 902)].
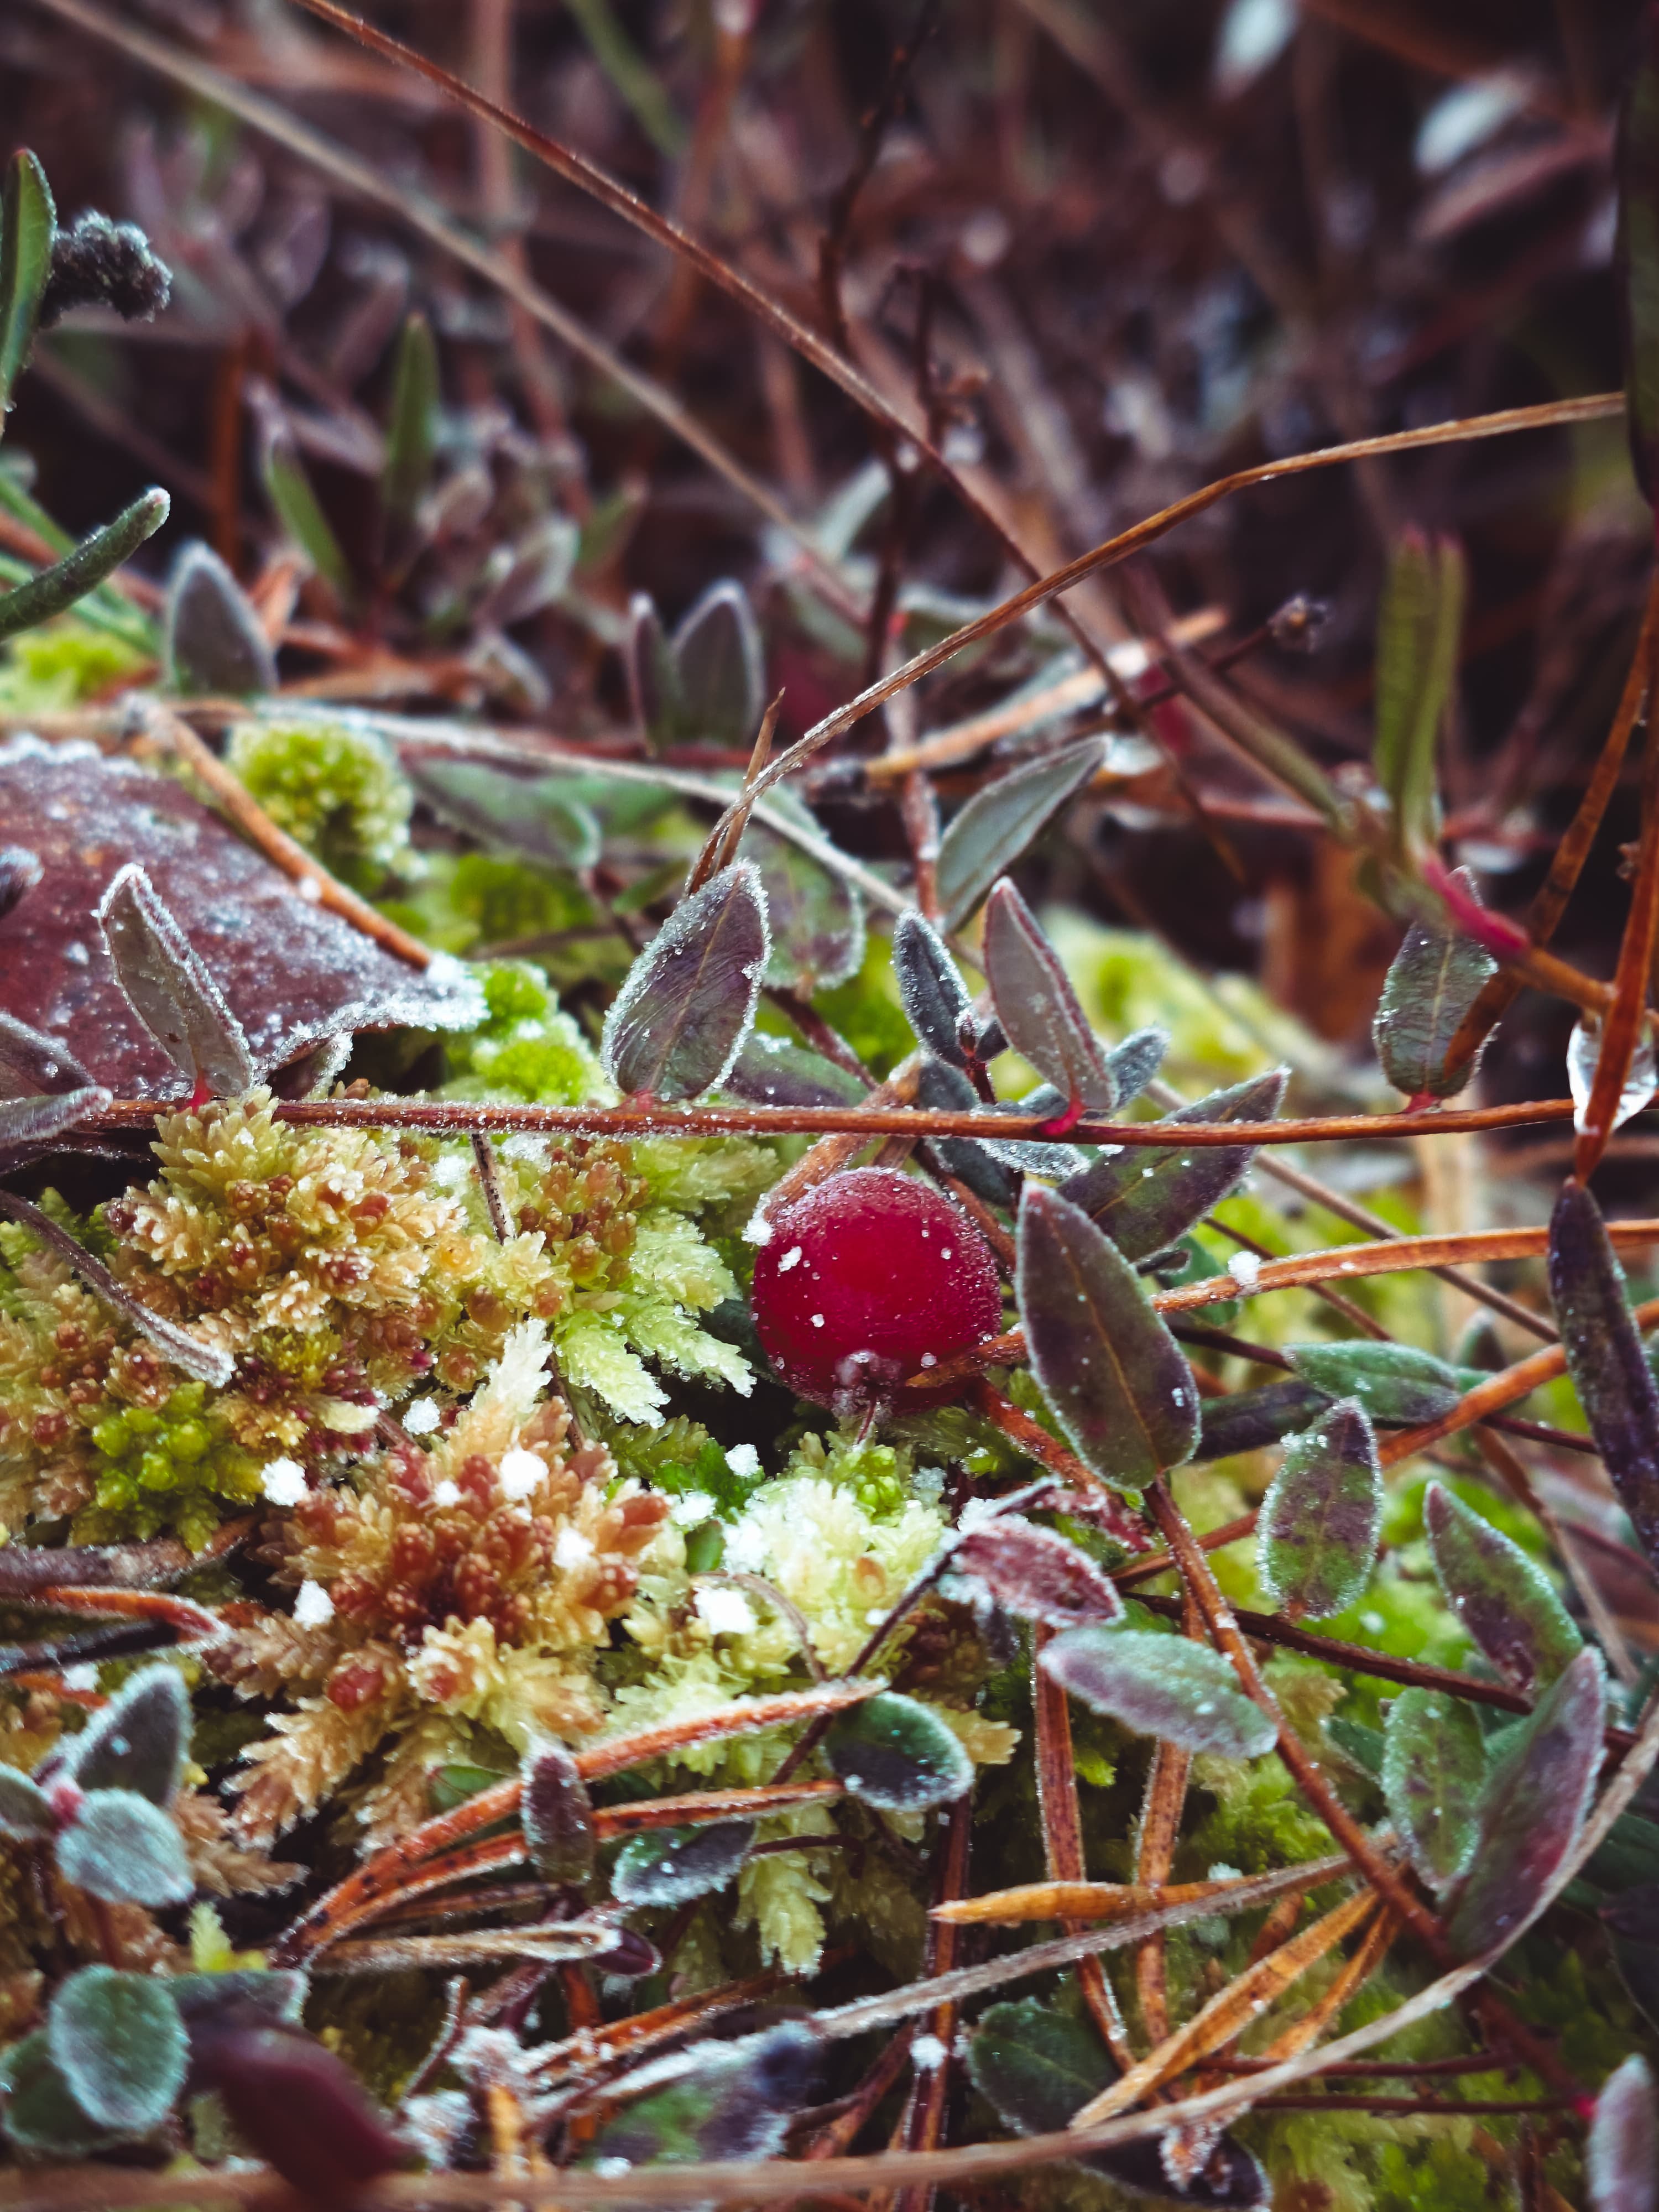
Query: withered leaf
[(1147, 1197), (681, 1017), (1532, 1809), (1504, 1601), (293, 972), (1037, 1573), (1038, 1008), (1317, 1533), (1117, 1381), (999, 821), (1167, 1687), (1434, 1773), (169, 987), (1615, 1384)]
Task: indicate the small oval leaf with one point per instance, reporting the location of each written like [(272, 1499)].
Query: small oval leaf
[(773, 1070), (1136, 1061), (540, 816), (1251, 1418), (1614, 1383), (120, 2045), (1037, 1008), (1434, 1772), (297, 2107), (720, 666), (558, 1816), (1037, 1573), (1317, 1533), (1433, 979), (1504, 1601), (930, 987), (40, 2114), (681, 1017), (125, 1850), (1532, 1810), (1147, 1197), (986, 838), (733, 2101), (24, 1813), (1117, 1381), (817, 916), (139, 1741), (671, 1866), (211, 638), (1395, 1382), (896, 1755), (1621, 2157), (169, 988), (1167, 1687)]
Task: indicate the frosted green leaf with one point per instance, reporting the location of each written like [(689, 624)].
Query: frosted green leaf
[(1532, 1810), (671, 1866), (1395, 1382), (1250, 1418), (930, 987), (56, 589), (1166, 1687), (1145, 1197), (29, 224), (1434, 1772), (1317, 1532), (1037, 1573), (731, 2100), (896, 1754), (988, 834), (40, 2114), (681, 1017), (1504, 1601), (125, 1850), (1433, 979), (120, 2045), (1117, 1381), (817, 916)]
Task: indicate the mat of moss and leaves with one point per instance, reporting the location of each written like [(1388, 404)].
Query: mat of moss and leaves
[(823, 1360)]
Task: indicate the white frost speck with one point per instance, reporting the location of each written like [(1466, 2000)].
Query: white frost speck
[(82, 1677), (421, 1417), (745, 1462), (759, 1230), (1244, 1268), (690, 1509), (928, 2054), (792, 1258), (818, 1321), (728, 1612), (310, 889), (947, 1253), (612, 2169), (447, 1492), (283, 1481), (312, 1606), (520, 1471), (451, 1170), (930, 1359), (572, 1549)]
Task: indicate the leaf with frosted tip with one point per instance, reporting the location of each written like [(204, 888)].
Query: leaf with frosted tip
[(558, 1816), (1433, 979), (211, 638), (723, 2101), (125, 1850), (896, 1755), (139, 1741), (119, 2044), (721, 667), (1167, 1687), (1614, 1383), (1037, 1008), (653, 679), (1145, 1197), (1504, 1601), (169, 988), (1318, 1531), (671, 1866), (411, 434), (1532, 1810), (1434, 1772), (687, 1002), (1395, 1382), (1136, 1061), (1621, 2154), (1037, 1573), (25, 1812), (988, 834), (32, 1121), (40, 2115), (57, 589), (1117, 1381), (930, 987)]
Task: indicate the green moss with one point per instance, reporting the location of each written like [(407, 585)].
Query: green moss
[(470, 899), (524, 1048), (164, 1467), (336, 790), (61, 663)]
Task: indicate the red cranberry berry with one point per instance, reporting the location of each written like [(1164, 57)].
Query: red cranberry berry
[(871, 1277)]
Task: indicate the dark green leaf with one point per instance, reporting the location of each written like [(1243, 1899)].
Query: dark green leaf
[(1135, 1062), (771, 1071), (1167, 1687), (1637, 254), (1395, 1382), (211, 638), (1360, 1745), (1433, 979), (1434, 1775), (1037, 1007), (720, 666), (1145, 1197), (40, 2114), (896, 1755), (55, 590), (169, 988), (28, 222), (732, 2101), (1533, 1809), (817, 916), (1418, 633), (542, 817), (1251, 1418), (1037, 1573), (1000, 820), (1186, 1261), (120, 2045), (1036, 2065), (298, 510), (125, 1850), (31, 1121), (25, 1813), (930, 987), (1615, 1384), (1317, 1533), (411, 432), (1117, 1381), (1628, 1858), (557, 1814), (1622, 2156), (1504, 1601), (654, 679), (671, 1866), (679, 1021), (139, 1741)]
